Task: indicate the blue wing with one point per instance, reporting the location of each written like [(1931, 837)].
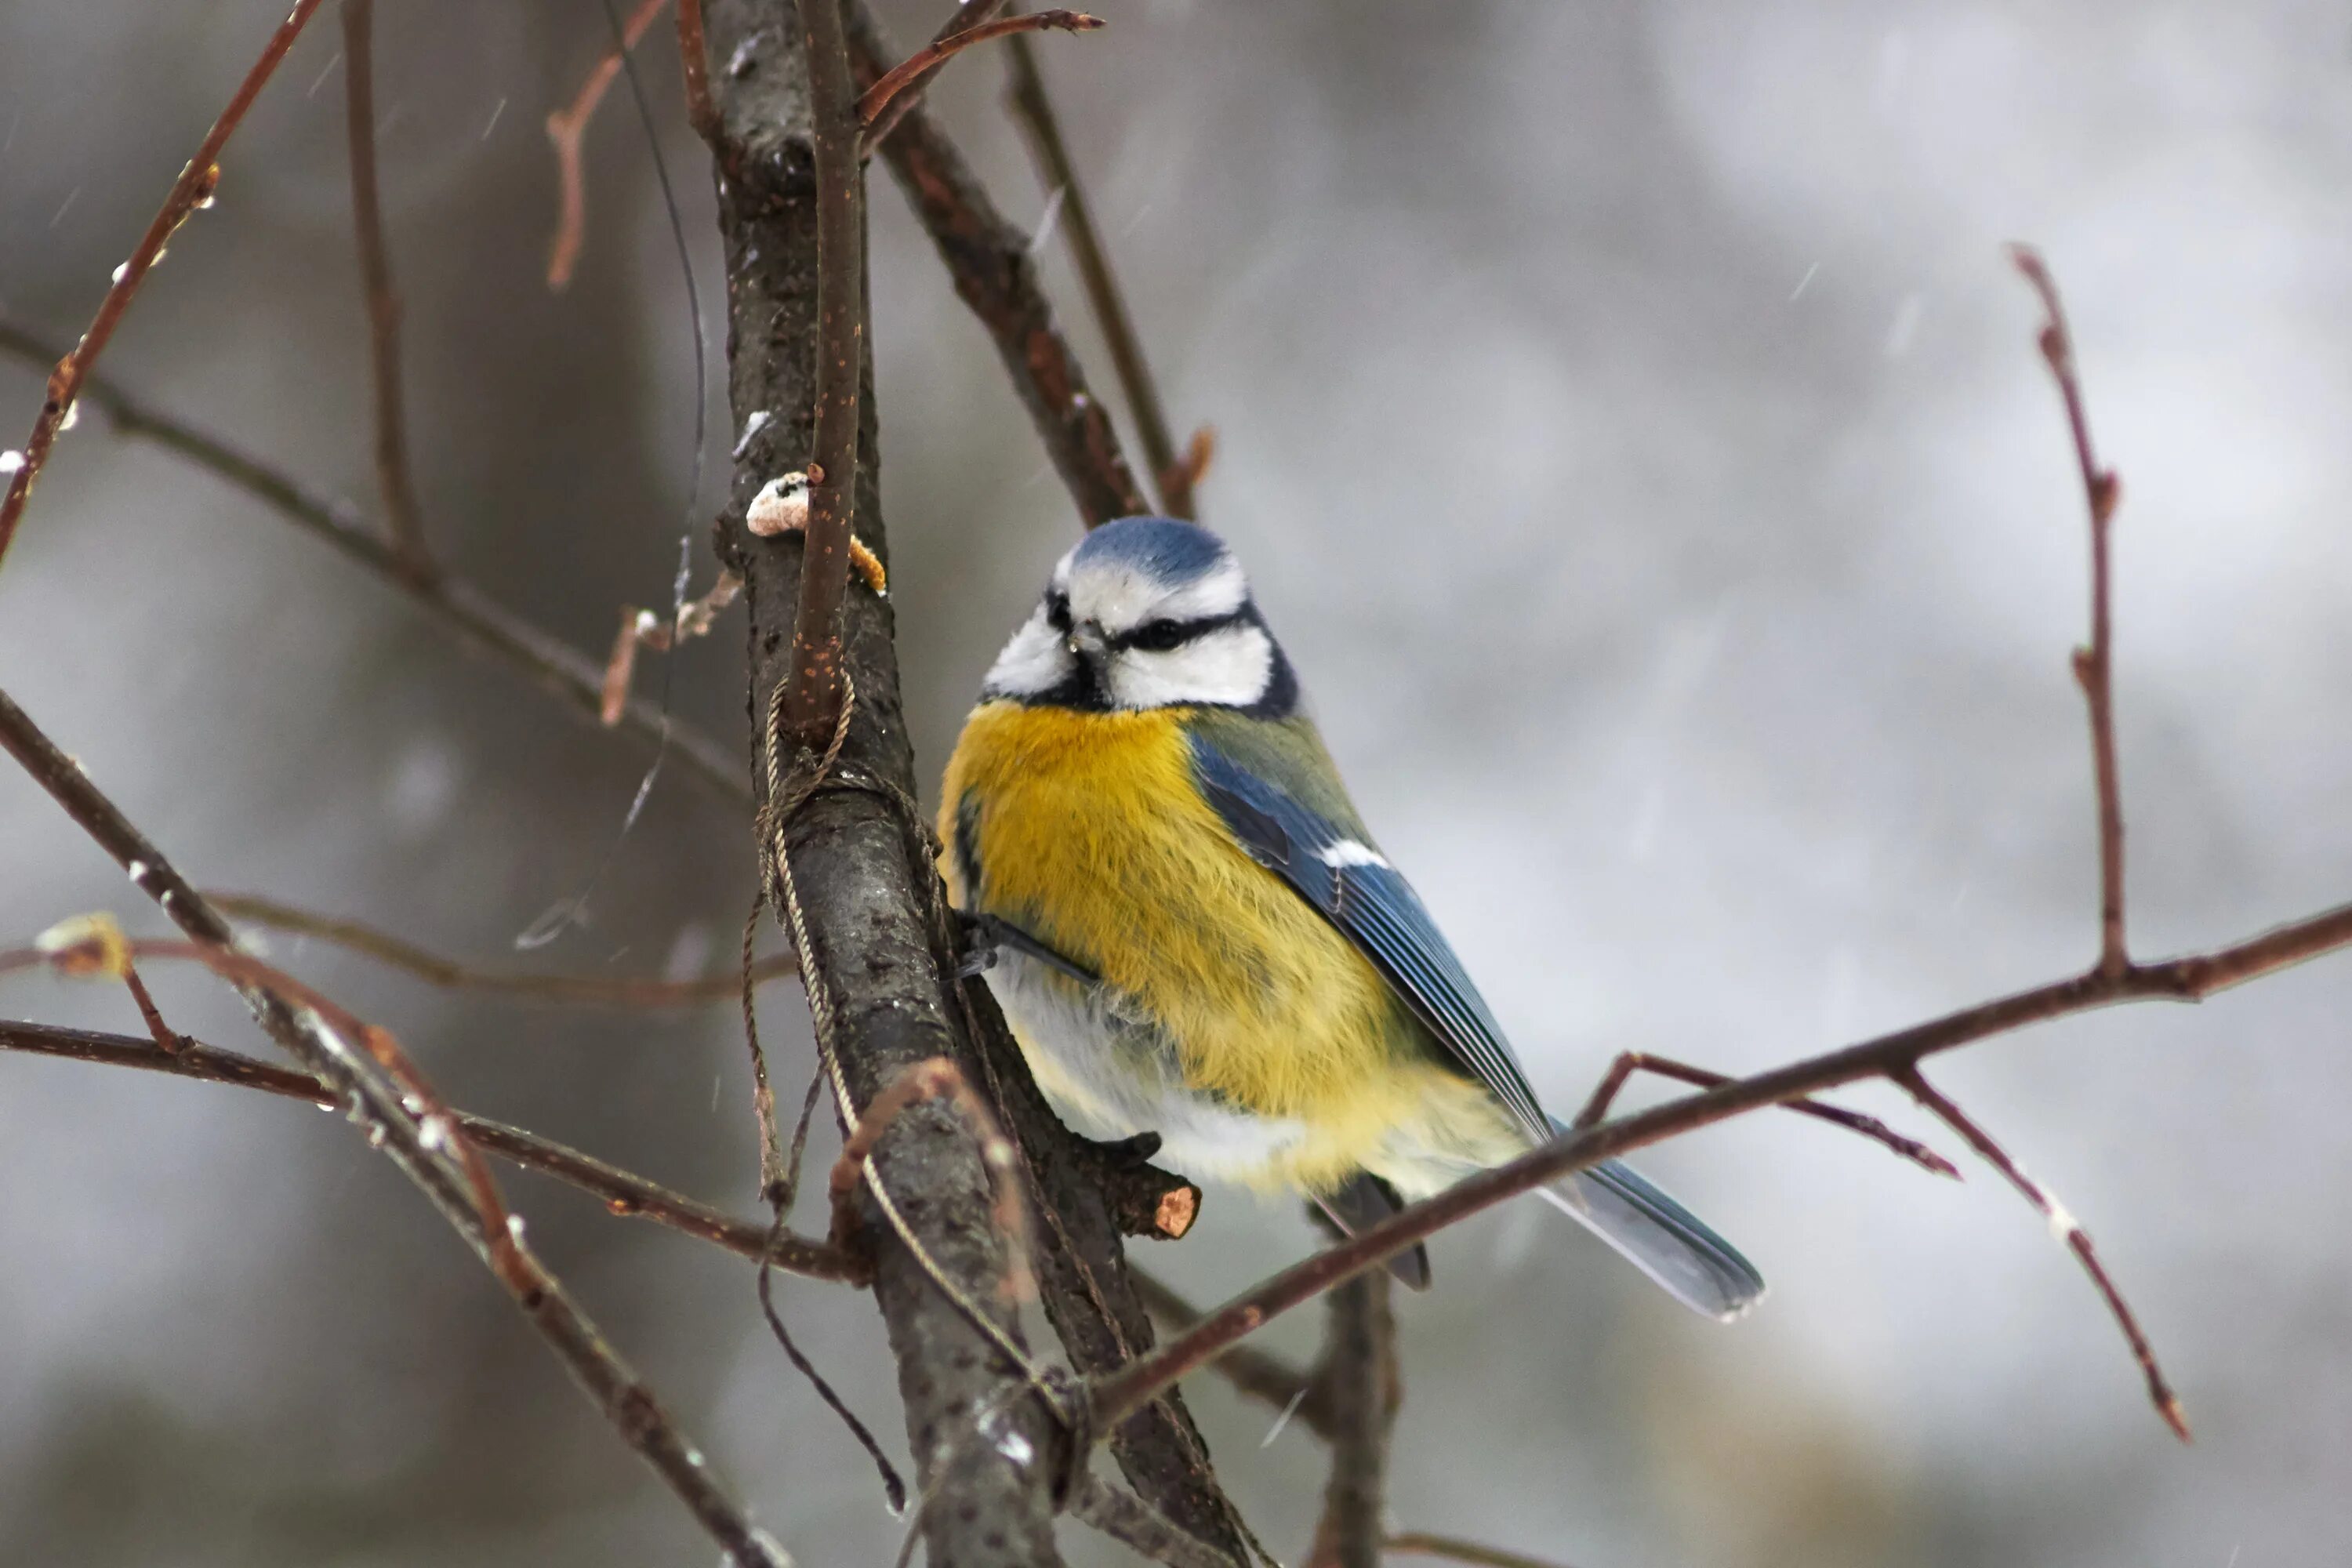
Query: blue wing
[(1334, 868), (1374, 907)]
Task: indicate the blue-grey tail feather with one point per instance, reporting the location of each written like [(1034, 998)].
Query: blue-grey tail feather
[(1661, 1238), (1362, 1203)]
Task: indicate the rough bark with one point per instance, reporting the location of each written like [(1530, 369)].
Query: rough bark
[(854, 854), (877, 938)]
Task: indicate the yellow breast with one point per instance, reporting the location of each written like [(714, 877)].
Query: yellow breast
[(1087, 831)]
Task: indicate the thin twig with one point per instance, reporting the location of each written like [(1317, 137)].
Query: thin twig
[(643, 628), (1032, 108), (925, 62), (2191, 977), (375, 1083), (622, 1191), (990, 260), (967, 15), (191, 190), (1260, 1375), (1630, 1062), (585, 990), (391, 469), (482, 625), (694, 53), (1420, 1543), (2066, 1229), (2093, 665), (813, 690), (569, 125)]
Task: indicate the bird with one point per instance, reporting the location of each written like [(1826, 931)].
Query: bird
[(1202, 953)]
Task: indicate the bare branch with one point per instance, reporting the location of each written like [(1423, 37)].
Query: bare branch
[(925, 62), (585, 990), (694, 51), (643, 628), (1261, 1374), (843, 844), (967, 15), (569, 125), (1630, 1062), (481, 624), (990, 259), (2066, 1229), (391, 469), (2093, 665), (375, 1084), (622, 1191), (191, 190), (1033, 107), (1362, 1385), (813, 691), (2187, 978)]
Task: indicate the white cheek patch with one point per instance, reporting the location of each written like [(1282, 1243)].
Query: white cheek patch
[(1348, 852), (1034, 662), (1230, 667)]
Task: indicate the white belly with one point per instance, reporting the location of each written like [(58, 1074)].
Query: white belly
[(1111, 1075)]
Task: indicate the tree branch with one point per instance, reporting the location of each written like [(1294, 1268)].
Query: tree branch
[(392, 470), (1260, 1375), (877, 943), (377, 1095), (1628, 1063), (191, 190), (1363, 1387), (813, 691), (481, 625), (1032, 108), (2093, 665), (871, 947), (967, 15), (2069, 1232), (926, 62), (990, 260), (694, 54), (566, 129), (2185, 979), (622, 1191)]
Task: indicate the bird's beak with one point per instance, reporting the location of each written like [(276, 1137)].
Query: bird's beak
[(1086, 640)]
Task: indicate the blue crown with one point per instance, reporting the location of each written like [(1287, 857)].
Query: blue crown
[(1160, 547)]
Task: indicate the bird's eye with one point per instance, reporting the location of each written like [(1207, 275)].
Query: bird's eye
[(1158, 637), (1057, 611)]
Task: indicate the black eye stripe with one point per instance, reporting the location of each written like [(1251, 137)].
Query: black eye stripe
[(1058, 610), (1159, 637)]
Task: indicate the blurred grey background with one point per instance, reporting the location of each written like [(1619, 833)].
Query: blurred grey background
[(1634, 430)]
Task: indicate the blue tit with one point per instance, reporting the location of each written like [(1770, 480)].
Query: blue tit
[(1195, 935)]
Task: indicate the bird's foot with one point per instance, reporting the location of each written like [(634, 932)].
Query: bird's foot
[(981, 947), (987, 938)]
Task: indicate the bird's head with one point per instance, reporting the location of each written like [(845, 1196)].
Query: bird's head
[(1146, 612)]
